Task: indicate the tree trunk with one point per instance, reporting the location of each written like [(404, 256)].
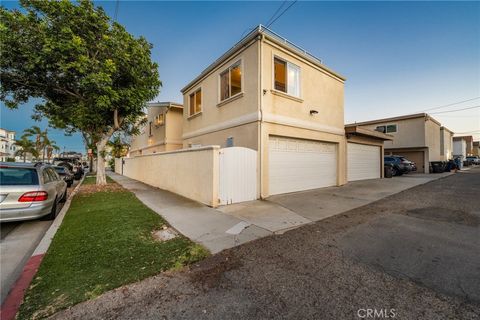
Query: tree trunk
[(101, 178), (24, 157)]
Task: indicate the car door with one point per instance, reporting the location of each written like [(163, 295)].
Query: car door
[(59, 186), (48, 185)]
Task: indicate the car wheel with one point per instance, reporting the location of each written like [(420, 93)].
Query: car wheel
[(394, 172), (53, 213), (64, 197)]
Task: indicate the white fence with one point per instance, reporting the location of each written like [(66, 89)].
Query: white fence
[(238, 175), (210, 175)]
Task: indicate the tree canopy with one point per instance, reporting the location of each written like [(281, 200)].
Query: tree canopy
[(90, 73)]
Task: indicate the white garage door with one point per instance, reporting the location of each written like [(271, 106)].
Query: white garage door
[(363, 162), (296, 164)]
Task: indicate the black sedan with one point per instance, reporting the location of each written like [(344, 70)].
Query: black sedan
[(66, 175)]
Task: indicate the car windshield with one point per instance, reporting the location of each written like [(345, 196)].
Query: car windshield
[(10, 176)]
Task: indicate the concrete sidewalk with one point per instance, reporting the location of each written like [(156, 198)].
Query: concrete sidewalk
[(196, 221), (211, 227)]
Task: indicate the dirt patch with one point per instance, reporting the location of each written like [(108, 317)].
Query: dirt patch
[(446, 215), (209, 273), (93, 188)]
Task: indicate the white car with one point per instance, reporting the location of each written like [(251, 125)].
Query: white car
[(473, 159), (29, 191)]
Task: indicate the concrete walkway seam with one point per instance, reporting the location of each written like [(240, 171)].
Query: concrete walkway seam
[(14, 299)]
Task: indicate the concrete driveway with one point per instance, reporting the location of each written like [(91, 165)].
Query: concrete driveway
[(287, 211)]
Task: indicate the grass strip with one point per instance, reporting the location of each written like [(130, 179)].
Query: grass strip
[(104, 242)]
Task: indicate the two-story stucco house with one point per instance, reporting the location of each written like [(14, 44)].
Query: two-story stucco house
[(162, 130), (269, 95), (418, 137)]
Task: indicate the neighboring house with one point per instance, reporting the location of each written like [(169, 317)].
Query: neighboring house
[(7, 144), (418, 137), (466, 148), (162, 130), (269, 95), (476, 148)]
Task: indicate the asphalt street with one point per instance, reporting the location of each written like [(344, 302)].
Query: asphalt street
[(412, 255), (18, 240)]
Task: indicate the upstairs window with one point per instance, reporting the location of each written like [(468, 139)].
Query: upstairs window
[(160, 120), (391, 128), (195, 105), (150, 129), (231, 81), (287, 77)]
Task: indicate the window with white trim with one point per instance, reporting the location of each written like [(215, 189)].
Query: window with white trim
[(195, 102), (286, 77), (231, 81)]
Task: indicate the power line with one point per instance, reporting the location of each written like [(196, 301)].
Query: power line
[(273, 15), (451, 104), (282, 13), (456, 110)]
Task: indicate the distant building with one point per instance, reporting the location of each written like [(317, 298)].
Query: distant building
[(468, 142), (476, 148), (7, 144), (463, 146)]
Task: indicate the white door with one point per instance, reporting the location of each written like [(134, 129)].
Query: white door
[(237, 175), (297, 164), (363, 161)]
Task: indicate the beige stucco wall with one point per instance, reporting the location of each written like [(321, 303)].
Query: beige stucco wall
[(447, 145), (319, 90), (432, 140), (243, 136), (239, 110), (192, 173), (410, 133), (118, 165)]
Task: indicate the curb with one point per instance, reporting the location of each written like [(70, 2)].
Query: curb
[(14, 298)]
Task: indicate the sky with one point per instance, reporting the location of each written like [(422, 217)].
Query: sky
[(398, 57)]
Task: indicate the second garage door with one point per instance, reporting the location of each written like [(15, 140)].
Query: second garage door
[(296, 164), (363, 161)]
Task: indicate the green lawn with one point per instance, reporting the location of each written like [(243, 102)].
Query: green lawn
[(104, 242)]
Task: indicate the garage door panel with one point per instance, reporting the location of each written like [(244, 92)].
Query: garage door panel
[(363, 162), (296, 165)]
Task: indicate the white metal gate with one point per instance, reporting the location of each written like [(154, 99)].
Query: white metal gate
[(238, 175)]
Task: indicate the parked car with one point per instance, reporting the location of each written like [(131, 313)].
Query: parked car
[(65, 174), (399, 166), (410, 165), (473, 159), (30, 191), (78, 171)]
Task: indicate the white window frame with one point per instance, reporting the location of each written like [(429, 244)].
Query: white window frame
[(286, 74), (240, 63)]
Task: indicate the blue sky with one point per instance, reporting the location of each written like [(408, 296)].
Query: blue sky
[(398, 57)]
